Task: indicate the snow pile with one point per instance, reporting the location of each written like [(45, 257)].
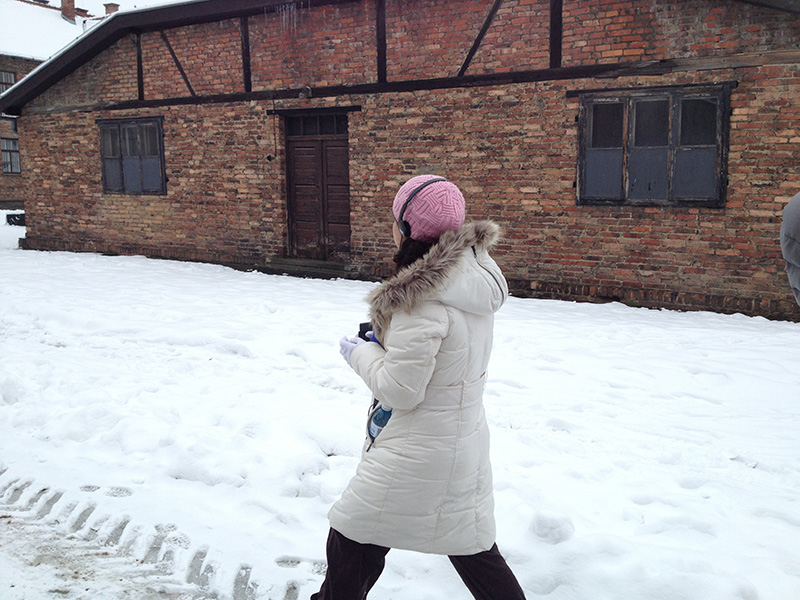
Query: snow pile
[(637, 454), (9, 235)]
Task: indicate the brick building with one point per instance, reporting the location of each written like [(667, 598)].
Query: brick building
[(30, 32), (12, 69), (639, 151)]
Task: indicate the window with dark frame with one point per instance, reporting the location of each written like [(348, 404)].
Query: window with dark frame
[(7, 79), (132, 152), (10, 151), (316, 124), (657, 146)]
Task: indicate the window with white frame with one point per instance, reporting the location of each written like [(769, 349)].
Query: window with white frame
[(658, 146)]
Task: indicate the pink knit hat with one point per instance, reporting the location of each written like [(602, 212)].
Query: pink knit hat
[(434, 209)]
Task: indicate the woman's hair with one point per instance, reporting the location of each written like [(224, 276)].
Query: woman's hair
[(411, 251)]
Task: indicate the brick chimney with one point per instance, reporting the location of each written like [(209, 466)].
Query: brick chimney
[(111, 8), (68, 10)]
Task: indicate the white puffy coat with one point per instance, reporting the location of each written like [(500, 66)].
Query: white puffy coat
[(426, 482)]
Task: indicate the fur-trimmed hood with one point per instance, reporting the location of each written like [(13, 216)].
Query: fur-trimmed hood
[(479, 288)]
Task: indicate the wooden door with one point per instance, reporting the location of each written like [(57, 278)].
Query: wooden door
[(319, 190)]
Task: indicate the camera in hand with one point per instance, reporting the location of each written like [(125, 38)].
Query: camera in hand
[(363, 328)]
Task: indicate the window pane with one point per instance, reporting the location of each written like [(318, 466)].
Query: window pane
[(109, 142), (648, 174), (112, 175), (651, 123), (606, 125), (328, 124), (130, 141), (341, 124), (695, 173), (151, 174), (698, 122), (294, 126), (132, 176), (603, 174), (148, 135), (310, 126), (6, 80)]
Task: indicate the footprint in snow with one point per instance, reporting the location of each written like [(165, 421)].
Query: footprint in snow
[(552, 528)]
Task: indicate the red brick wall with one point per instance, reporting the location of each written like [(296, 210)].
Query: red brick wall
[(222, 202), (512, 149), (326, 45), (108, 78), (606, 31), (524, 178), (430, 39), (210, 55)]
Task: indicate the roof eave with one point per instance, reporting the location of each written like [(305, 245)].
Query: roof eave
[(790, 6)]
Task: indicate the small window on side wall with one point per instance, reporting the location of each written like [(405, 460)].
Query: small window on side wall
[(132, 153), (661, 146), (7, 79), (10, 152)]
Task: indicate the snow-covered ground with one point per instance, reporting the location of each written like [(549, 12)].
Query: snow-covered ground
[(638, 454)]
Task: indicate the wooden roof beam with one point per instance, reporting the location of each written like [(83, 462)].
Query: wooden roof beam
[(479, 38), (791, 6)]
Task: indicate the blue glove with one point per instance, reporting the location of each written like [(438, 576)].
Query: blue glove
[(346, 346)]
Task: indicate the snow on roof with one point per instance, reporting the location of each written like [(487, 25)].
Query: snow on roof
[(29, 29), (36, 31), (97, 7), (88, 29)]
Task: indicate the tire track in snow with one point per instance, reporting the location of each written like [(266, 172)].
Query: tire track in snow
[(55, 547)]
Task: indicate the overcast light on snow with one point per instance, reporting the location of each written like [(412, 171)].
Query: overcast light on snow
[(638, 454)]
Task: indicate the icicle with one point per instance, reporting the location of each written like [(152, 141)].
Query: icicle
[(290, 15), (287, 17)]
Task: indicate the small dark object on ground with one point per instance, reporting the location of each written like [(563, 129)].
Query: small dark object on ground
[(16, 219)]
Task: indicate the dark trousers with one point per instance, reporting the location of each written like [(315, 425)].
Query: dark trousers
[(353, 569)]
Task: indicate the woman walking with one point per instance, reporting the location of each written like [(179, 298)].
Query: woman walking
[(424, 482)]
